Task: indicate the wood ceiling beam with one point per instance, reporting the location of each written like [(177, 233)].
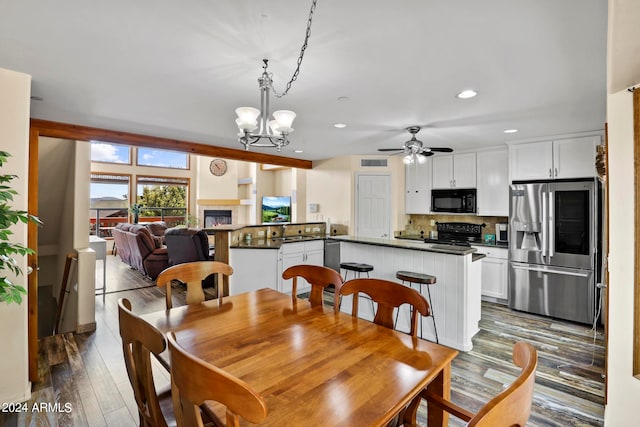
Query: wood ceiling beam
[(86, 133)]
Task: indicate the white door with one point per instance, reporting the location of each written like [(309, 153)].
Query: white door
[(373, 205)]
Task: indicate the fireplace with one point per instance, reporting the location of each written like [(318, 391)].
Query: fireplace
[(213, 217)]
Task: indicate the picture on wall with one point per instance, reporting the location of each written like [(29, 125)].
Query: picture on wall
[(276, 209)]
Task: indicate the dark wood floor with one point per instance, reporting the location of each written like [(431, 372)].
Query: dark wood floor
[(87, 371)]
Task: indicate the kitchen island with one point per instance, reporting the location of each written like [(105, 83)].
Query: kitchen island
[(455, 296), (259, 263)]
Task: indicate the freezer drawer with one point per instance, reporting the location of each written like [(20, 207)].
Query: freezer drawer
[(552, 291)]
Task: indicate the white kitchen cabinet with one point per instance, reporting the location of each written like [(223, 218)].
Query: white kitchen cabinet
[(493, 183), (253, 269), (290, 254), (454, 170), (557, 159), (575, 157), (418, 187), (495, 270)]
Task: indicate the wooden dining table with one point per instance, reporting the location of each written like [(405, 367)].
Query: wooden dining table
[(313, 367)]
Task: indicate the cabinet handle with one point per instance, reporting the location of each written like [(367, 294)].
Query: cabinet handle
[(550, 176), (556, 172)]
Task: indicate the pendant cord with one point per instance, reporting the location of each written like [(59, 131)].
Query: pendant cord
[(304, 47)]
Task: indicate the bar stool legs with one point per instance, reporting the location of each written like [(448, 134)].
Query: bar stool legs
[(357, 268), (420, 279), (433, 317)]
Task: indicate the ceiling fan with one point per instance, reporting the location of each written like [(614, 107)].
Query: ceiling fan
[(414, 147)]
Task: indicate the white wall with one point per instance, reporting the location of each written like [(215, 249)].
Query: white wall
[(208, 186), (14, 138), (624, 389), (331, 184)]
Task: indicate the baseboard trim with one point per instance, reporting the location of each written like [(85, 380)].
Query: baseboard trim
[(87, 327)]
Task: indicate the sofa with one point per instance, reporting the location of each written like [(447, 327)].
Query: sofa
[(138, 248), (186, 245)]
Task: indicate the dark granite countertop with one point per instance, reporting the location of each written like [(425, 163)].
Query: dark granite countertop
[(258, 243), (477, 257), (408, 244), (420, 238)]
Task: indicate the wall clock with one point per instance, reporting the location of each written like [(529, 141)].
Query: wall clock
[(218, 167)]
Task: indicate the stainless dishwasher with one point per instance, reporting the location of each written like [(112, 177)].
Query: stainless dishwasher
[(332, 254)]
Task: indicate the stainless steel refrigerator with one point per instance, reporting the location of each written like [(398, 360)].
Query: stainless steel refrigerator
[(553, 248)]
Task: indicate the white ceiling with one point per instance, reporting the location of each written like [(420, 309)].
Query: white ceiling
[(179, 69)]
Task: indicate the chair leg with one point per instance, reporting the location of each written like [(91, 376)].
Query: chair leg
[(433, 317)]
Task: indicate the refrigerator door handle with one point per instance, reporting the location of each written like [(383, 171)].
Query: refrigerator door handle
[(552, 227), (544, 226), (549, 270)]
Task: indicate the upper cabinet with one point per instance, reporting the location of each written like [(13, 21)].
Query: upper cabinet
[(454, 170), (493, 183), (558, 159), (418, 187)]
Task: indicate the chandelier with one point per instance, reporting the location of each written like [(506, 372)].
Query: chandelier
[(256, 128)]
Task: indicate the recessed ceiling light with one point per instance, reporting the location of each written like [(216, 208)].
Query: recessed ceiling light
[(469, 93), (298, 151), (511, 131), (340, 125)]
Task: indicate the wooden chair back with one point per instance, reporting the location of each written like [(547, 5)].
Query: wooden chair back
[(320, 278), (194, 381), (139, 340), (512, 406), (389, 295), (193, 273)]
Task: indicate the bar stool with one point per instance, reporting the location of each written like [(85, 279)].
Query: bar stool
[(420, 279), (357, 268)]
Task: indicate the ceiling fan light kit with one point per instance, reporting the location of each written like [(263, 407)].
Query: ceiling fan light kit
[(415, 150), (256, 128)]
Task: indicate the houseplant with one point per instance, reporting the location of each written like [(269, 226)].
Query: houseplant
[(9, 291), (136, 209)]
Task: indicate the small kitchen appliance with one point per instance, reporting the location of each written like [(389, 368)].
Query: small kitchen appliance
[(502, 232)]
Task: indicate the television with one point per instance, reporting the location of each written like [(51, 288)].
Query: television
[(276, 209)]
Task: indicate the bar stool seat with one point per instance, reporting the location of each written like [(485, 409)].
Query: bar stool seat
[(410, 276), (420, 279), (357, 267)]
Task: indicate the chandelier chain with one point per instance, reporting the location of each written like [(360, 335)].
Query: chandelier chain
[(304, 47)]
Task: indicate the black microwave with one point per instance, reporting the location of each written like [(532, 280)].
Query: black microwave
[(454, 201)]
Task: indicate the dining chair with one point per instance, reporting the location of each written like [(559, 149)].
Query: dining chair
[(389, 296), (511, 407), (193, 273), (320, 278), (139, 341), (194, 381)]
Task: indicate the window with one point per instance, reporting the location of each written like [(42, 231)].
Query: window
[(162, 158), (109, 202), (108, 152), (163, 199)]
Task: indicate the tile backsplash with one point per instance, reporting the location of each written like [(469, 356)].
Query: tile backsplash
[(420, 225)]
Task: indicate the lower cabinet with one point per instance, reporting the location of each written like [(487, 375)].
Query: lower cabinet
[(290, 254), (253, 269), (495, 273)]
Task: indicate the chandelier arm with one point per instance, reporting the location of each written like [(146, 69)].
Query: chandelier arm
[(304, 47)]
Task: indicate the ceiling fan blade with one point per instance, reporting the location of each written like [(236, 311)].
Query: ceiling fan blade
[(426, 153), (441, 149), (390, 149)]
